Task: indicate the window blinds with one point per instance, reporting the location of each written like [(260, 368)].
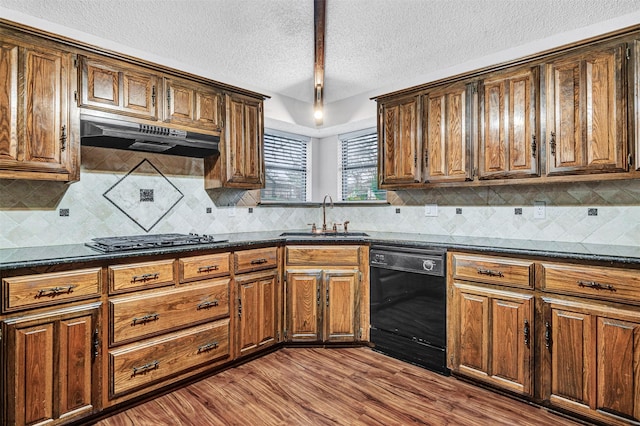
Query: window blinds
[(360, 168), (285, 161)]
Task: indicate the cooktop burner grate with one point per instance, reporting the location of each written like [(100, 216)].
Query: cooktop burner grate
[(140, 242)]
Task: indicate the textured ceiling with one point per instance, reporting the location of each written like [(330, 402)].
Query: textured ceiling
[(370, 44)]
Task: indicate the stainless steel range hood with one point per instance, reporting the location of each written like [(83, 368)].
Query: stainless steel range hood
[(123, 134)]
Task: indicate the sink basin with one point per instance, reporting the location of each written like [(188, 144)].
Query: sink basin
[(324, 234)]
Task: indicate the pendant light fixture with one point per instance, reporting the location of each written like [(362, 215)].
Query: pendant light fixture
[(319, 9)]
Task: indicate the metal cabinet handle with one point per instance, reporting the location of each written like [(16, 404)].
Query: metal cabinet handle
[(259, 261), (145, 319), (327, 295), (54, 291), (547, 335), (169, 100), (147, 367), (207, 305), (596, 285), (95, 344), (63, 138), (526, 333), (318, 294), (153, 96), (208, 347), (490, 272), (208, 268), (534, 146), (239, 308), (552, 144), (145, 277)]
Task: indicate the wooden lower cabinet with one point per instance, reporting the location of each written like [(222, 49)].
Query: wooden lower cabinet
[(491, 334), (257, 321), (51, 364), (323, 305), (591, 359)]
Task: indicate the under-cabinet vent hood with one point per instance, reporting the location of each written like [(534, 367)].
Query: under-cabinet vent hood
[(123, 134)]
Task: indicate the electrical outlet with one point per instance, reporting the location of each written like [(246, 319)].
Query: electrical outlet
[(539, 210), (232, 211), (431, 210)]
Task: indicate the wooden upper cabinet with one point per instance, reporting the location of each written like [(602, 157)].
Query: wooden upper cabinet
[(192, 104), (508, 125), (38, 132), (586, 112), (634, 90), (399, 141), (111, 86), (447, 134)]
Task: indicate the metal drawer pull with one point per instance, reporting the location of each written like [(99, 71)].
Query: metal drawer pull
[(526, 333), (208, 268), (145, 319), (208, 347), (490, 273), (54, 291), (596, 285), (207, 305), (259, 261), (147, 367), (145, 277)]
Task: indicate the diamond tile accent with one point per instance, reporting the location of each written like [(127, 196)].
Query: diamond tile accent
[(144, 194)]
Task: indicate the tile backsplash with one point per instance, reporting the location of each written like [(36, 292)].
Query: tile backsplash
[(30, 211)]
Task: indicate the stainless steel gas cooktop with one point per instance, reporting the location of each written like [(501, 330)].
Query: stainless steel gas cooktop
[(140, 242)]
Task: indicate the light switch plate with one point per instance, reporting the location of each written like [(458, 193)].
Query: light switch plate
[(431, 210), (539, 210)]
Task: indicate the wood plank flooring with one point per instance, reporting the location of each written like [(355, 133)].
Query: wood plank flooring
[(315, 386)]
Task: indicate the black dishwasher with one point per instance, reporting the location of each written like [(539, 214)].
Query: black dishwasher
[(409, 305)]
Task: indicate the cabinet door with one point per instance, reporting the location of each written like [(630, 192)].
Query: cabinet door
[(399, 141), (110, 86), (586, 113), (508, 135), (495, 329), (341, 297), (243, 143), (50, 365), (8, 104), (257, 311), (303, 306), (192, 105), (447, 134)]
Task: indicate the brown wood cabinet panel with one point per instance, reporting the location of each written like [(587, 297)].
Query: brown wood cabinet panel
[(303, 311), (192, 104), (201, 267), (257, 311), (634, 89), (399, 141), (243, 143), (30, 291), (508, 132), (341, 298), (255, 259), (323, 255), (591, 281), (116, 87), (493, 269), (123, 278), (140, 364), (143, 315), (586, 112), (8, 102), (447, 134)]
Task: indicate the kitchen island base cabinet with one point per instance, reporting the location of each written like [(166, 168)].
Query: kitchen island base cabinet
[(591, 359), (51, 366)]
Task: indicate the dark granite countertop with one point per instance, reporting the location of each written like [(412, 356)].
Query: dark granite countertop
[(13, 258)]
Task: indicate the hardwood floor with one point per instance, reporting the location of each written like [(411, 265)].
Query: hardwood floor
[(353, 386)]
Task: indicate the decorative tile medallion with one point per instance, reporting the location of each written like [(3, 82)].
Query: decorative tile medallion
[(145, 195)]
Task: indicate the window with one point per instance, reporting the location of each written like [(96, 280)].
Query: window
[(285, 163), (359, 164)]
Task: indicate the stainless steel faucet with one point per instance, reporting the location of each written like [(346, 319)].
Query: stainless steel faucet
[(324, 211)]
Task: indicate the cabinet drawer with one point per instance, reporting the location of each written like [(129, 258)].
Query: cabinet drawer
[(143, 315), (200, 267), (256, 259), (140, 275), (51, 288), (323, 255), (493, 269), (591, 281), (141, 364)]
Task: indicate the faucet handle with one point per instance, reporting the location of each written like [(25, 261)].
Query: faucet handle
[(313, 227), (335, 226), (346, 222)]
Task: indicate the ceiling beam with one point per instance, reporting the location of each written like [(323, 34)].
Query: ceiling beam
[(319, 12)]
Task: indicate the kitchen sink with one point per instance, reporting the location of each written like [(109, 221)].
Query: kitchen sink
[(324, 234)]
